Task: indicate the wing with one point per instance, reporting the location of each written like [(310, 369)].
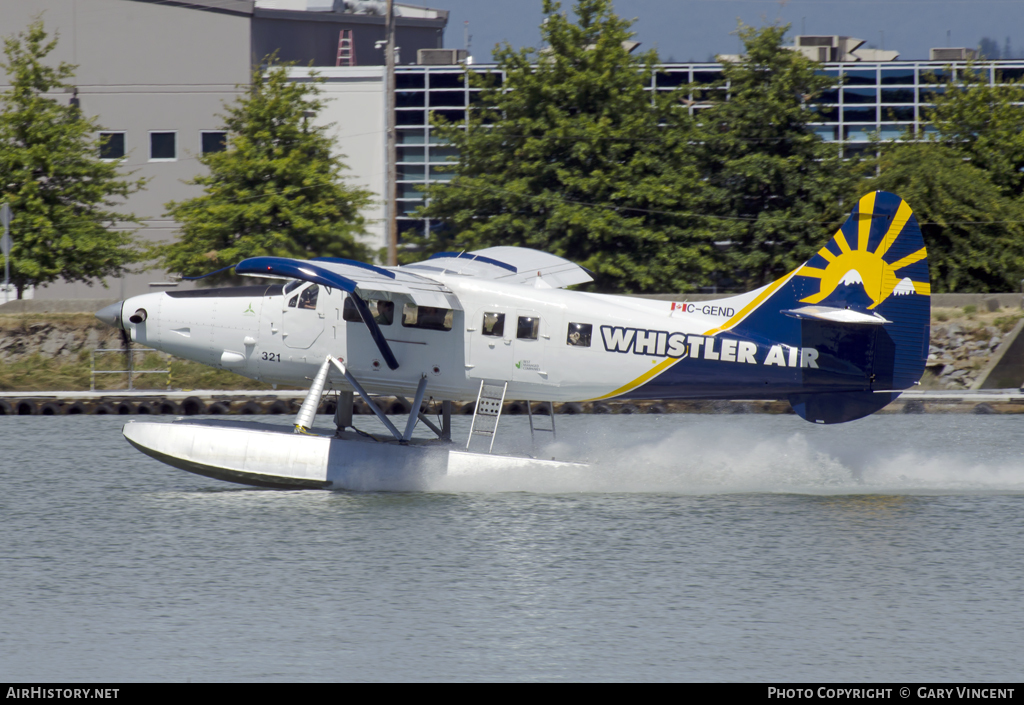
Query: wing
[(514, 265), (359, 280)]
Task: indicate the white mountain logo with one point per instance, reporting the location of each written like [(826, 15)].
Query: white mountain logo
[(904, 287)]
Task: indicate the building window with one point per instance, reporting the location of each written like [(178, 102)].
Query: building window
[(111, 145), (163, 146), (213, 141)]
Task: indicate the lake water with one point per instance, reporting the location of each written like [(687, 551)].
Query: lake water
[(738, 548)]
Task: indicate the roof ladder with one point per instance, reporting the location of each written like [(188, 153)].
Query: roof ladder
[(551, 415), (487, 411), (346, 49)]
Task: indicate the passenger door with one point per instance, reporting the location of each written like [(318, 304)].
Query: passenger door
[(531, 338), (491, 332)]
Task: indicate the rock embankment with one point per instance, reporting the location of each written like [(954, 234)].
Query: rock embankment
[(958, 353), (61, 339)]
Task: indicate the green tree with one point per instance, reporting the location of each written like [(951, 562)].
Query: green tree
[(982, 122), (964, 182), (277, 189), (572, 156), (61, 194), (777, 186), (973, 232)]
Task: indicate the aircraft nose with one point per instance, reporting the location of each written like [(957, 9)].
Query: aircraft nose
[(111, 315)]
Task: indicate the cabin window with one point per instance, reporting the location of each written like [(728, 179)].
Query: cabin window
[(494, 324), (528, 328), (427, 317), (579, 334), (383, 312)]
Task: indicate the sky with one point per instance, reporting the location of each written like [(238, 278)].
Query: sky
[(696, 30)]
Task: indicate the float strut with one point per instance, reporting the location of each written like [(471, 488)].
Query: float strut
[(366, 397), (343, 412), (307, 412), (414, 412)]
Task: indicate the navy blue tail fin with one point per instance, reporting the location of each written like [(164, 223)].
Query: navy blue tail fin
[(863, 302)]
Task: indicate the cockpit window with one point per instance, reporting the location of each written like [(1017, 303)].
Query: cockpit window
[(307, 299), (292, 285)]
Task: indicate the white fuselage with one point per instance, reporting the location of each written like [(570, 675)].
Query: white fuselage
[(263, 337)]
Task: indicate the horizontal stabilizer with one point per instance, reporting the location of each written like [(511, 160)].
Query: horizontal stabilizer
[(836, 315)]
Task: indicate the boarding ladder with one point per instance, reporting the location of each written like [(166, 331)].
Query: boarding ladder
[(346, 49), (487, 411), (551, 415)]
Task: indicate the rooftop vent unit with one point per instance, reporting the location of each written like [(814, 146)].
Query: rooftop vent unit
[(440, 57), (836, 47), (952, 54)]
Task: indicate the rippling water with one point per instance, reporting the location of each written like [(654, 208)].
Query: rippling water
[(696, 548)]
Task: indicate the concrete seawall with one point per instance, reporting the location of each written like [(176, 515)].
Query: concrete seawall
[(201, 402)]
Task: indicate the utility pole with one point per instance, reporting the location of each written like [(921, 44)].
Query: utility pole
[(5, 246), (391, 207)]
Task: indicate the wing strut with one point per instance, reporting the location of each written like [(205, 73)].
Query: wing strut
[(375, 331)]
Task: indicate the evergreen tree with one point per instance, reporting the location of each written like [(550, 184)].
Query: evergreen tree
[(59, 191), (988, 49), (779, 188), (572, 156), (965, 183), (973, 232), (276, 190), (982, 122)]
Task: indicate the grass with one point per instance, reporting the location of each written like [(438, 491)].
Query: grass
[(975, 321), (42, 374)]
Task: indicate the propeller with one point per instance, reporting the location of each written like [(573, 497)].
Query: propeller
[(126, 340)]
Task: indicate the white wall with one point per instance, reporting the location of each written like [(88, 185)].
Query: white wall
[(355, 110), (144, 67)]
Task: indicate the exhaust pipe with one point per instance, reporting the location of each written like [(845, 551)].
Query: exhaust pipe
[(139, 316)]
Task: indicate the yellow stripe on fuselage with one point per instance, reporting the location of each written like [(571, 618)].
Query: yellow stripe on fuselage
[(648, 375), (753, 305), (665, 364)]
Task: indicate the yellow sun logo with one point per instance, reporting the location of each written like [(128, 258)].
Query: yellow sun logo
[(880, 278)]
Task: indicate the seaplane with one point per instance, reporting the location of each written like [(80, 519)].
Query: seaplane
[(839, 337)]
